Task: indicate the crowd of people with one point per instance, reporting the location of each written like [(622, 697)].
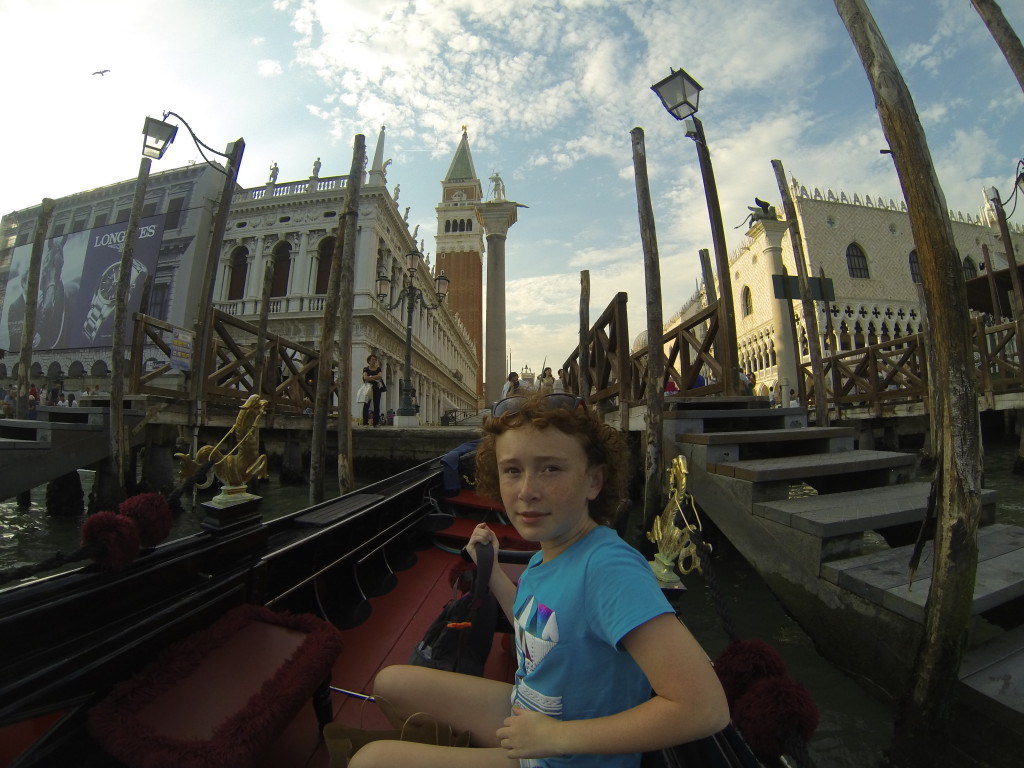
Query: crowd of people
[(55, 396)]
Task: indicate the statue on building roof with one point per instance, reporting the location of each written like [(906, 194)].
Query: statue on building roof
[(316, 169), (497, 187), (273, 174), (398, 189), (760, 211)]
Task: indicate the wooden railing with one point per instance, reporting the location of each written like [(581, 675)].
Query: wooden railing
[(873, 377), (690, 347), (289, 380), (881, 376), (618, 378), (608, 364), (998, 359)]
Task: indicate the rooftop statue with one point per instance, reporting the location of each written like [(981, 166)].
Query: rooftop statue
[(497, 187)]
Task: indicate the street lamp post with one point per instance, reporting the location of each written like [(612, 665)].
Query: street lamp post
[(679, 93), (410, 294), (157, 138)]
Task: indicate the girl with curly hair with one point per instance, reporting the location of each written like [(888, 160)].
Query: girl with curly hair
[(594, 634)]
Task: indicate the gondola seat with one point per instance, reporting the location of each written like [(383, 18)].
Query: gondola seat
[(219, 698)]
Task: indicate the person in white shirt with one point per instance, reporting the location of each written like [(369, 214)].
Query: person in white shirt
[(511, 388)]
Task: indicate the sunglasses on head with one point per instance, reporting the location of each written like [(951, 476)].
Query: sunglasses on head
[(554, 400)]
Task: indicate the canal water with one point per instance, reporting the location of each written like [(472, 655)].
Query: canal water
[(855, 726)]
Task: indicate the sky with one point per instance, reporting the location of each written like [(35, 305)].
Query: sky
[(549, 91)]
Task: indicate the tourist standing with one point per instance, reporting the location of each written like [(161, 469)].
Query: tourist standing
[(373, 375)]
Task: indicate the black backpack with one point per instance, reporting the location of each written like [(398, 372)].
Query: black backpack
[(459, 639)]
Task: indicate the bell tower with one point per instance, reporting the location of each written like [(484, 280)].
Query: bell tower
[(460, 245)]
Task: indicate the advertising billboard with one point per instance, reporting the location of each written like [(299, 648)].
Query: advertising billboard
[(77, 283)]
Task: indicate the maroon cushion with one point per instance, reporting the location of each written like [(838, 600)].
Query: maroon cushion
[(220, 696)]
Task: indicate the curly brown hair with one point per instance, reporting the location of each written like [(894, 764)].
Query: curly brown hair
[(603, 445)]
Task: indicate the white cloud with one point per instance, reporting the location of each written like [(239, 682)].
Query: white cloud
[(269, 68), (550, 92)]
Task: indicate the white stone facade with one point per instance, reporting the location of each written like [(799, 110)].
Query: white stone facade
[(182, 196), (290, 225), (876, 295)]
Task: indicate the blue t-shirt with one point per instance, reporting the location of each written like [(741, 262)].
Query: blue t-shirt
[(570, 616)]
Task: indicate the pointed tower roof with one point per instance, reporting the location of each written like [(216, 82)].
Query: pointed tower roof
[(377, 175), (462, 168)]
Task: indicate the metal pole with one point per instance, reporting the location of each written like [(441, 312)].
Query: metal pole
[(728, 354), (405, 401)]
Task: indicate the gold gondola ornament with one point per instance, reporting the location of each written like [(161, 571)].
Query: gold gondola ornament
[(237, 466), (677, 531)]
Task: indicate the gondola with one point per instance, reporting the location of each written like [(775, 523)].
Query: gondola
[(94, 660)]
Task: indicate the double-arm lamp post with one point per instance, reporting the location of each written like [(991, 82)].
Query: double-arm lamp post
[(410, 294), (679, 93)]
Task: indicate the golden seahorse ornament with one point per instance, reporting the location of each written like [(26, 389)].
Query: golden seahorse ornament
[(677, 542), (240, 464)]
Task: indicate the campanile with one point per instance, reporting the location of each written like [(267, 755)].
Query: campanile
[(460, 245)]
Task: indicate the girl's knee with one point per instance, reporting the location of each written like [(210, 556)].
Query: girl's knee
[(389, 680), (376, 753)]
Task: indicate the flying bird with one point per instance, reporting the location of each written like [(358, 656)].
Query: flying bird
[(101, 72)]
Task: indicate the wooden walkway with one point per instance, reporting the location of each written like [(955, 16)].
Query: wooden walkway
[(59, 441), (830, 528)]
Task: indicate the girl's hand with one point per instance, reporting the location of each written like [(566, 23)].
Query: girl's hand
[(481, 535), (529, 734)]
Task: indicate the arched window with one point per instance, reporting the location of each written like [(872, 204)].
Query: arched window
[(856, 262), (325, 252), (462, 225), (469, 225), (970, 268), (915, 267), (239, 272), (448, 226), (282, 258), (747, 301), (845, 340)]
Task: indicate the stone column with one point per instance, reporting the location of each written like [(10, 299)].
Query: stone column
[(786, 350), (254, 273), (497, 217), (305, 258)]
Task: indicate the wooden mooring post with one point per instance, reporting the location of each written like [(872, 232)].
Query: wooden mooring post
[(926, 706)]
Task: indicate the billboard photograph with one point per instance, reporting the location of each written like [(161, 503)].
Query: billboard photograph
[(77, 284)]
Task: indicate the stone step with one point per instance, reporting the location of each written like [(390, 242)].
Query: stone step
[(992, 678), (770, 443), (809, 467), (765, 435), (883, 577), (695, 420), (14, 444), (867, 509)]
